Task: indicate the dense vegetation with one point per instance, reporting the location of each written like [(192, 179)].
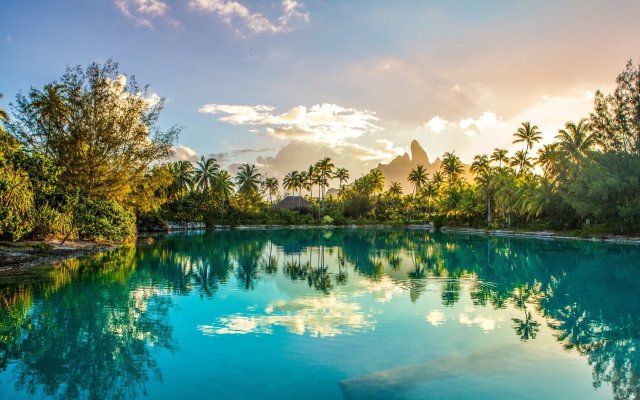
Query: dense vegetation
[(83, 158), (588, 178), (76, 158)]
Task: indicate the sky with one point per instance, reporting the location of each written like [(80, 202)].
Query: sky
[(282, 83)]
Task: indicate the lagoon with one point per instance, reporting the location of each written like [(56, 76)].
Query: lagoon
[(327, 314)]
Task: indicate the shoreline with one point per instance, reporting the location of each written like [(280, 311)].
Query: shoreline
[(545, 235), (29, 254)]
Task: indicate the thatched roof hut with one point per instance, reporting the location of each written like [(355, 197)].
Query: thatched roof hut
[(293, 202)]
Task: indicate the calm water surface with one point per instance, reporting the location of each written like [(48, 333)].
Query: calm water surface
[(327, 314)]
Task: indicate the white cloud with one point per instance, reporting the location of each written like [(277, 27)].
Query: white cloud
[(322, 123), (184, 153), (436, 124), (141, 10), (486, 120), (232, 12)]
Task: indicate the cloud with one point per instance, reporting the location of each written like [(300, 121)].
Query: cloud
[(320, 123), (141, 11), (480, 135), (356, 158), (436, 124), (233, 13), (184, 153), (317, 316)]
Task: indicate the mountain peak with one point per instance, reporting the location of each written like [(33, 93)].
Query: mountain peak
[(418, 155)]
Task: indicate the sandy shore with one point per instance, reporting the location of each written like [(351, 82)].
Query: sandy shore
[(28, 254)]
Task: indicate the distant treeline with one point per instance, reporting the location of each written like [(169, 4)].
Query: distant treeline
[(83, 157)]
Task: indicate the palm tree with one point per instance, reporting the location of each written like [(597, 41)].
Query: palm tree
[(576, 140), (549, 159), (395, 190), (452, 166), (376, 179), (437, 179), (205, 173), (324, 170), (51, 110), (182, 172), (223, 184), (418, 177), (342, 175), (430, 192), (500, 156), (289, 181), (482, 168), (521, 161), (248, 179), (528, 134), (271, 186)]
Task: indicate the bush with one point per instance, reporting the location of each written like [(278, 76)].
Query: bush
[(102, 220), (327, 220), (50, 221)]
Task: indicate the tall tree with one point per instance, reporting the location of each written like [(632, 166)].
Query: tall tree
[(98, 125), (324, 170), (575, 140), (205, 173), (529, 135), (501, 156), (271, 186), (418, 178), (223, 185), (481, 167), (248, 179), (452, 166), (615, 119), (182, 172)]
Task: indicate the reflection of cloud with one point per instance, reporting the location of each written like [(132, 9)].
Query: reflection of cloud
[(317, 316), (382, 290), (485, 323), (436, 317)]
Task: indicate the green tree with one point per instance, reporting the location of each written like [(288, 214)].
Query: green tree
[(271, 186), (529, 135), (205, 172), (452, 167), (615, 120), (418, 178), (98, 125)]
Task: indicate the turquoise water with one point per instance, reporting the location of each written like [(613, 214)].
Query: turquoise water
[(327, 314)]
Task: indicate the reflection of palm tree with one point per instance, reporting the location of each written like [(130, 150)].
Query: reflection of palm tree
[(526, 328)]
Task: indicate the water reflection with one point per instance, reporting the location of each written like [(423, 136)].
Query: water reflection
[(93, 328)]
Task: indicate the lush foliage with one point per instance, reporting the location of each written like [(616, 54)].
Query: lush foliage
[(92, 139), (76, 157)]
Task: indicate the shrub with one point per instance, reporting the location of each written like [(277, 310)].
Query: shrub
[(102, 220), (327, 220), (50, 221)]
